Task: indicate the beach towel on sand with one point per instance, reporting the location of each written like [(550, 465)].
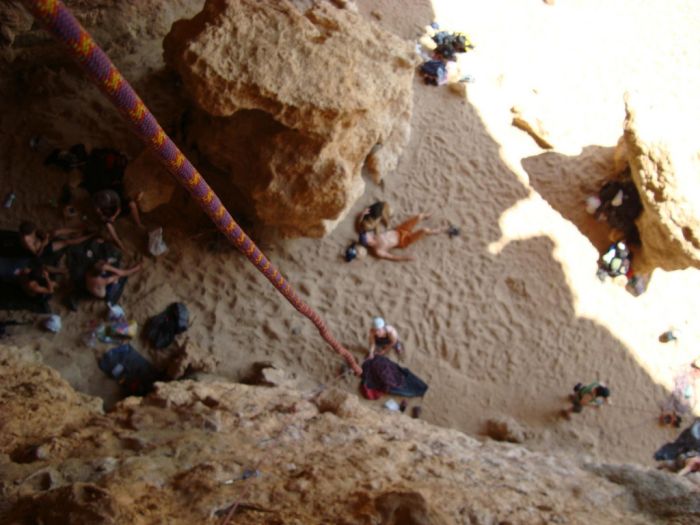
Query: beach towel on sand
[(381, 374)]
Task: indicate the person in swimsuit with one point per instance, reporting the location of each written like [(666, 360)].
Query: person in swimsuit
[(595, 394), (100, 279), (382, 338), (379, 244)]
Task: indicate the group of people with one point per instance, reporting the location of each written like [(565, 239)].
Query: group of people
[(32, 260)]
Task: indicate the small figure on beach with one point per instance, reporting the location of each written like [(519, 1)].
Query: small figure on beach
[(405, 234), (382, 338), (593, 394)]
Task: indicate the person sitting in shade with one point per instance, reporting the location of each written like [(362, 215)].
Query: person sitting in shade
[(105, 281), (382, 338), (380, 244), (44, 244)]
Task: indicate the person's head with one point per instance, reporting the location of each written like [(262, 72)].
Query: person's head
[(107, 203), (27, 228), (602, 391), (378, 323)]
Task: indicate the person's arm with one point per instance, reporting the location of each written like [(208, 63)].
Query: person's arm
[(115, 237), (372, 345), (56, 269), (382, 254), (135, 216), (64, 231), (119, 272), (64, 243)]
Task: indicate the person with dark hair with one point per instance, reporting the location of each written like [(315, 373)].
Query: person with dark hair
[(36, 283), (108, 205), (595, 394), (105, 281), (405, 234), (41, 244), (370, 218)]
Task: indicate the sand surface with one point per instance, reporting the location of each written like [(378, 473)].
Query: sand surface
[(501, 320)]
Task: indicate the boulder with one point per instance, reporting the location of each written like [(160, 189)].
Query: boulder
[(504, 428), (292, 103), (662, 150), (148, 183)]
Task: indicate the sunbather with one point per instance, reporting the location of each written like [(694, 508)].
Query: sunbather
[(379, 244)]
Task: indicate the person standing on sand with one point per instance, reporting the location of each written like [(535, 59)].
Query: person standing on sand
[(382, 338), (379, 244)]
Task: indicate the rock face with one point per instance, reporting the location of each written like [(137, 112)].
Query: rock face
[(191, 451), (293, 102), (663, 156), (148, 183)]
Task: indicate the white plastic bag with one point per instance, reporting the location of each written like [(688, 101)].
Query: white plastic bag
[(156, 244)]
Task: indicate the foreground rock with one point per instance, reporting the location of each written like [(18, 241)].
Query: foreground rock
[(662, 149), (294, 103), (190, 451)]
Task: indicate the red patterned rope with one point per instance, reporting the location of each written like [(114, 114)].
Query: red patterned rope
[(59, 21)]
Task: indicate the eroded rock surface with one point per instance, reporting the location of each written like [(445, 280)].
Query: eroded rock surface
[(663, 152), (191, 450), (293, 102)]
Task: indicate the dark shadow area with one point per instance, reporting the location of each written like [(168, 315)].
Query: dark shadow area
[(565, 182)]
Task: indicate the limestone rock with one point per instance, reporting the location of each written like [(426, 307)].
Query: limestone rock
[(293, 103), (663, 155), (526, 121), (148, 183), (186, 453), (504, 428), (14, 19), (189, 357)]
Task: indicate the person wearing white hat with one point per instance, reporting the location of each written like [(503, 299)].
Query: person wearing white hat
[(382, 338)]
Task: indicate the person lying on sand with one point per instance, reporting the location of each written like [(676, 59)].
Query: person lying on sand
[(382, 338), (379, 244), (44, 244), (102, 276)]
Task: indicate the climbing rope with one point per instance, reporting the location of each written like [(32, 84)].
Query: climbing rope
[(59, 21)]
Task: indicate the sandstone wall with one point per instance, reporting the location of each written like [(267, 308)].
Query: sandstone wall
[(190, 451), (663, 152)]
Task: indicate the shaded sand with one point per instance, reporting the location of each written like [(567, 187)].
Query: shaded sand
[(502, 320)]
